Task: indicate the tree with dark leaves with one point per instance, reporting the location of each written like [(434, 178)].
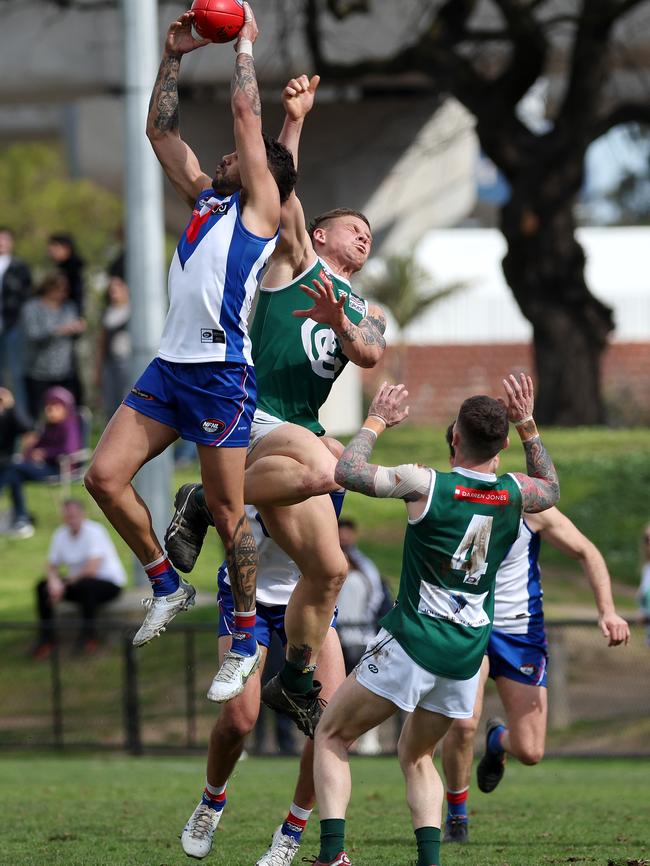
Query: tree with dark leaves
[(488, 55)]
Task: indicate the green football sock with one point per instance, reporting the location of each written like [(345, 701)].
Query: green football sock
[(428, 839), (297, 678), (332, 838)]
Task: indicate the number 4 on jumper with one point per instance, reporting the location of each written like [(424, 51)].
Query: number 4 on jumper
[(471, 553)]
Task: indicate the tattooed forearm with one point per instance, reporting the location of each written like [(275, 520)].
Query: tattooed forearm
[(540, 488), (353, 470), (241, 557), (244, 81), (372, 331), (163, 105)]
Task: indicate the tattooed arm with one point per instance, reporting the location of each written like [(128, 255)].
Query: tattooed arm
[(409, 482), (364, 343), (540, 488), (178, 161), (260, 195)]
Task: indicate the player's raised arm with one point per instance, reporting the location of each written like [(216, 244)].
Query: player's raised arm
[(298, 100), (260, 194), (556, 528), (409, 482), (177, 159), (540, 488)]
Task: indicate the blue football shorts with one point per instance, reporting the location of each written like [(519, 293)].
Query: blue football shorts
[(210, 404), (519, 657), (269, 619)]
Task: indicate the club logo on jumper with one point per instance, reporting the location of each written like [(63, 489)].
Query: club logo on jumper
[(143, 395), (207, 212), (213, 425), (528, 670), (358, 305), (373, 669), (212, 335), (483, 497), (322, 348)]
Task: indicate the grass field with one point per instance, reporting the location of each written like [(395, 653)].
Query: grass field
[(605, 475), (89, 811)]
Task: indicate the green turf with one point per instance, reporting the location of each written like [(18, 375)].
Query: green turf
[(605, 475), (89, 811)]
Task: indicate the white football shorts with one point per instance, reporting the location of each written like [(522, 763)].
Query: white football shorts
[(387, 670), (263, 423)]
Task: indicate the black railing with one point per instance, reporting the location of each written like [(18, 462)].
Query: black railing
[(153, 698)]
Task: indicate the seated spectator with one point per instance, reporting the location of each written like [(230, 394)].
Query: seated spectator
[(60, 435), (83, 567), (13, 424), (50, 323), (643, 595), (113, 373)]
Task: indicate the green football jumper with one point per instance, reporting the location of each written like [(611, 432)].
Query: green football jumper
[(445, 603), (297, 360)]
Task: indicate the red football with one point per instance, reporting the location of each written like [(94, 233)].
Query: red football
[(218, 20)]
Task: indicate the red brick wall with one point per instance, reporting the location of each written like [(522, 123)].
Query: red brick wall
[(439, 378)]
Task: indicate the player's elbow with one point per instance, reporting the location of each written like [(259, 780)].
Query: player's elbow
[(341, 474)]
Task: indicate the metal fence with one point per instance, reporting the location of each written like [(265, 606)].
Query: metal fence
[(153, 699)]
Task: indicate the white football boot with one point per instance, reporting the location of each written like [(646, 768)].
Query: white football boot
[(161, 611), (232, 675), (196, 838), (281, 851)]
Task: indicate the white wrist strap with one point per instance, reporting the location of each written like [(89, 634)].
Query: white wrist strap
[(244, 46), (369, 430), (523, 421)]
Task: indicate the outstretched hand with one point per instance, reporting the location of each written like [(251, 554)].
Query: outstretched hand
[(388, 404), (520, 396), (180, 39), (327, 310), (298, 96)]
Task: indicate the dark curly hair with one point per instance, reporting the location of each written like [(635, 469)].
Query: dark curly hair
[(483, 426), (281, 165)]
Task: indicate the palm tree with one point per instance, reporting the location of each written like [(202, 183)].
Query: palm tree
[(404, 288)]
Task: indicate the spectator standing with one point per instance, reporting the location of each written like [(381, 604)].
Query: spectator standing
[(60, 435), (50, 323), (15, 289), (361, 598), (13, 423), (113, 374), (62, 251), (643, 595), (360, 604), (83, 567)]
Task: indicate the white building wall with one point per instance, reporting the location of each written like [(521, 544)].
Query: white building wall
[(486, 312)]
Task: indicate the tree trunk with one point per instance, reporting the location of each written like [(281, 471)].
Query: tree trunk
[(544, 267)]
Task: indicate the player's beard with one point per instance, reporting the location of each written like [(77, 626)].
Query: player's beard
[(224, 185)]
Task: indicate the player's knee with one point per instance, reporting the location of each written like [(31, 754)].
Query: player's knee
[(530, 753), (463, 731), (314, 481), (408, 757), (100, 483), (234, 724)]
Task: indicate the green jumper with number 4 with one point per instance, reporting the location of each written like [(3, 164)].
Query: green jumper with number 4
[(445, 603)]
